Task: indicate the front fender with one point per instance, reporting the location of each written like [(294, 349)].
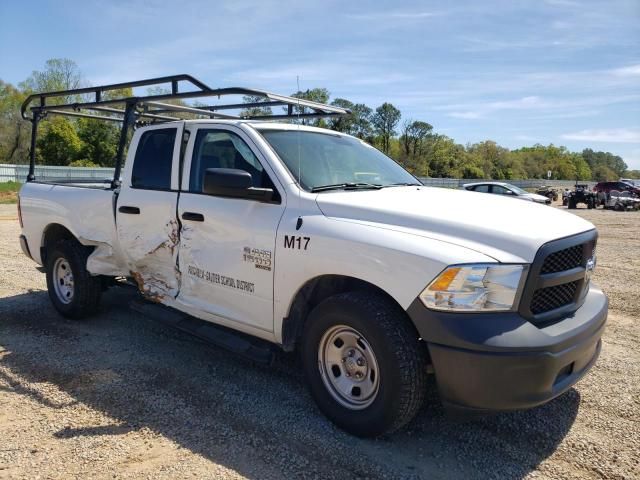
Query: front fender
[(398, 263)]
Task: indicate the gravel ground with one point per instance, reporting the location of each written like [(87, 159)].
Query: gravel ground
[(121, 396)]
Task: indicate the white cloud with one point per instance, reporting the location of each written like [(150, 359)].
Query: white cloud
[(612, 135), (465, 115), (563, 3), (480, 110), (536, 107), (630, 71), (388, 15), (526, 138)]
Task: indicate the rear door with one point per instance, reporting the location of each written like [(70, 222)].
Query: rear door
[(227, 245), (146, 211)]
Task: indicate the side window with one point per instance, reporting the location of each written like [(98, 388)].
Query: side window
[(481, 188), (500, 190), (224, 149), (152, 163)]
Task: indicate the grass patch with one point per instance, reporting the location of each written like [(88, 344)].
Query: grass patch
[(9, 192)]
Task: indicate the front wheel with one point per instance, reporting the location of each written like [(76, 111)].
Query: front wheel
[(74, 292), (365, 363)]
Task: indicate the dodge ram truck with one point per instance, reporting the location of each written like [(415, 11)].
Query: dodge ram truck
[(316, 242)]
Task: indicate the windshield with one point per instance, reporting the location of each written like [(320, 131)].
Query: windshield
[(518, 190), (334, 161)]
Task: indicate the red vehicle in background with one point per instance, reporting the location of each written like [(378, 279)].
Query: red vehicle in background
[(602, 189)]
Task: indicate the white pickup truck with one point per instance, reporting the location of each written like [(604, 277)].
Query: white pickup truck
[(317, 242)]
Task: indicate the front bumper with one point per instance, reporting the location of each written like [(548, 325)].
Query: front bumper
[(495, 362)]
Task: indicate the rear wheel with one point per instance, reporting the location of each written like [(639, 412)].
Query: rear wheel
[(572, 204), (365, 364), (74, 292)]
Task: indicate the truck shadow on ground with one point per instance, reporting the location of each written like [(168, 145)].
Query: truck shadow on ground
[(258, 421)]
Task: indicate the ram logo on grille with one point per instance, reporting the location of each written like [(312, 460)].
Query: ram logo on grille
[(591, 265)]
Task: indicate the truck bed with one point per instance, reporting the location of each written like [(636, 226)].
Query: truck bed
[(85, 210)]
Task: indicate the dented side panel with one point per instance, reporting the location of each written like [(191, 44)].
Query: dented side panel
[(86, 212), (150, 242), (151, 237)]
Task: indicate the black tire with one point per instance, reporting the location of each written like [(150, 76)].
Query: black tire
[(401, 360), (571, 205), (86, 290)]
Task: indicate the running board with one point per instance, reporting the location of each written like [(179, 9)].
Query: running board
[(251, 348)]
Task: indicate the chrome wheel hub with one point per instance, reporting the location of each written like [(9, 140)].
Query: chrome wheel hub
[(63, 280), (348, 367)]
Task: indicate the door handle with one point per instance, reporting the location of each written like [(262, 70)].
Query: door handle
[(194, 217), (131, 210)]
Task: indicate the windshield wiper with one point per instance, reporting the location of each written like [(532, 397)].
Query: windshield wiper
[(346, 186), (404, 184)]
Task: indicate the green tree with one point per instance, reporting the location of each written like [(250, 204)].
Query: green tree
[(613, 162), (254, 111), (358, 123), (446, 158), (385, 121), (320, 95), (99, 141), (414, 133), (59, 143), (602, 173), (58, 74), (496, 161), (14, 132), (83, 163), (583, 171)]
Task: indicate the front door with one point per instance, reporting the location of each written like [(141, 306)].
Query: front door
[(227, 245)]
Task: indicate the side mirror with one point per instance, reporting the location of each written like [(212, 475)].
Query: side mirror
[(235, 183)]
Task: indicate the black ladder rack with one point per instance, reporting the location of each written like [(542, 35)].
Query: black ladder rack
[(90, 102)]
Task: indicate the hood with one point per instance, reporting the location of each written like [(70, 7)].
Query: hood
[(536, 198), (498, 227)]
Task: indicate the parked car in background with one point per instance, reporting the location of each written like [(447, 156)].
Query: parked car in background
[(506, 189), (549, 192), (632, 181), (602, 189), (621, 201)]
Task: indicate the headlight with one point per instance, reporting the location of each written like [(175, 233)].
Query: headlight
[(475, 288)]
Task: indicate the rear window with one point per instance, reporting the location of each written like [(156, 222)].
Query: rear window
[(152, 164)]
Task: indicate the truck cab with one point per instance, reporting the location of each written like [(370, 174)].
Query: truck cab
[(316, 242)]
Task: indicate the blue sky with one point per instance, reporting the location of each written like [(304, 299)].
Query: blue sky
[(518, 72)]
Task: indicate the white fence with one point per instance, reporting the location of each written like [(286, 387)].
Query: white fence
[(18, 173)]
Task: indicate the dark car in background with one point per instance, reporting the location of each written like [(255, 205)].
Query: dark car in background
[(603, 189)]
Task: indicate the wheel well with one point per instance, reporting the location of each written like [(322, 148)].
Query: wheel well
[(311, 294), (53, 234)]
